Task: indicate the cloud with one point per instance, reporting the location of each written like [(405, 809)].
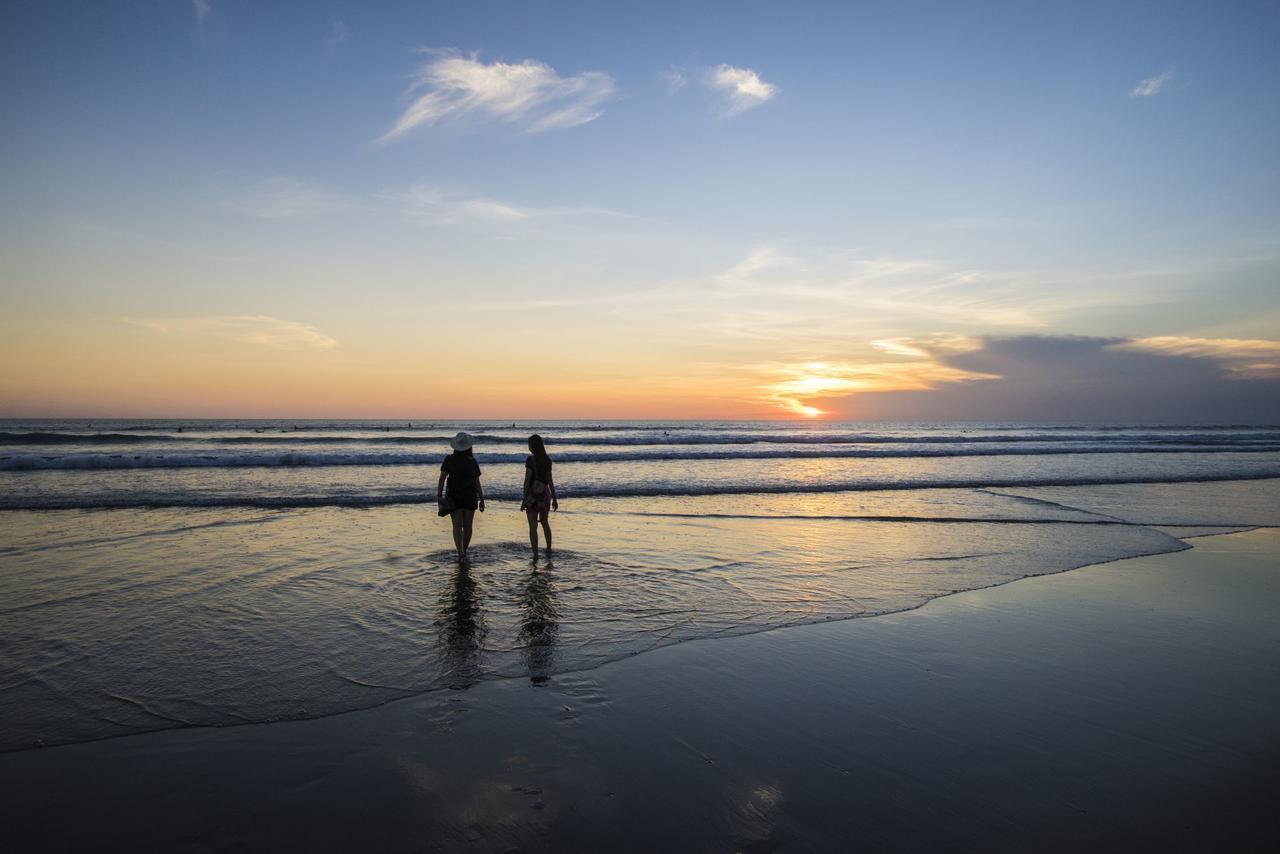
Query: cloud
[(925, 349), (937, 291), (796, 388), (338, 34), (250, 329), (741, 88), (1074, 379), (441, 207), (529, 94), (1152, 85), (759, 263), (910, 293), (1241, 358), (288, 198), (202, 9), (674, 77), (967, 297), (285, 198), (808, 381)]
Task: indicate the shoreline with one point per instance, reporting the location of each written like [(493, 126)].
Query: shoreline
[(419, 497), (1084, 707), (745, 632)]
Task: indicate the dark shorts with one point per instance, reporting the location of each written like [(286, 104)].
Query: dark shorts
[(465, 502), (539, 503)]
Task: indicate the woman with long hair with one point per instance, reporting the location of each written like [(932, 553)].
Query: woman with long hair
[(462, 474), (539, 492)]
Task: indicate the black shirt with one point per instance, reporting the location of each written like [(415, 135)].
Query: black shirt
[(463, 470), (542, 473)]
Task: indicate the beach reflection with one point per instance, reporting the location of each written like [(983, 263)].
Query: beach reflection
[(213, 616), (539, 623), (461, 629)]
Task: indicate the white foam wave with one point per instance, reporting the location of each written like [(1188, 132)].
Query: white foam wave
[(278, 459), (157, 499)]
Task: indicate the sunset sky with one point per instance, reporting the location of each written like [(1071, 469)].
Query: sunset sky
[(852, 210)]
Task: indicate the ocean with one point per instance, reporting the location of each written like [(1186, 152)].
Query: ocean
[(158, 574)]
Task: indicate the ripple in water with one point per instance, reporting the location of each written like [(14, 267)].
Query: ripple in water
[(124, 621)]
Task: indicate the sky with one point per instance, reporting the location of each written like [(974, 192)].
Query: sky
[(849, 210)]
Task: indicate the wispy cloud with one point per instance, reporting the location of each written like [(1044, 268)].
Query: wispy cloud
[(1240, 358), (674, 77), (808, 381), (202, 9), (798, 388), (968, 297), (442, 207), (792, 302), (249, 329), (927, 348), (760, 262), (897, 287), (529, 94), (288, 198), (1152, 85), (740, 88), (338, 34)]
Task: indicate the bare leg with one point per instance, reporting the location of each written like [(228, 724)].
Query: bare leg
[(456, 518), (533, 531), (546, 530), (467, 517)]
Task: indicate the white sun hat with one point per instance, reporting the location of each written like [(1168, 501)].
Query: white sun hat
[(461, 442)]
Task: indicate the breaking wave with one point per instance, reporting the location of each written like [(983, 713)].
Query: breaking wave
[(629, 490)]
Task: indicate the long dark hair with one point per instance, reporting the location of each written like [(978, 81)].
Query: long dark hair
[(539, 450)]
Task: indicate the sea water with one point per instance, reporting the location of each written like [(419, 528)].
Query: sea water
[(156, 574)]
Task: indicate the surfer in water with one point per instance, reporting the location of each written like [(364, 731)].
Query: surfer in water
[(539, 492)]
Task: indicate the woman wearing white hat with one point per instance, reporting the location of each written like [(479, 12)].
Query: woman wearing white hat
[(464, 494)]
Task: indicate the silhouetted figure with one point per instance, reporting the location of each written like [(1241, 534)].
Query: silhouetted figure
[(462, 629), (539, 492), (464, 495), (539, 624)]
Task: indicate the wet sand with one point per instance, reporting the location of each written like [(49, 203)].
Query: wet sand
[(1126, 706)]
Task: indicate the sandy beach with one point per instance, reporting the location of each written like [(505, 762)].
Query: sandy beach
[(1123, 706)]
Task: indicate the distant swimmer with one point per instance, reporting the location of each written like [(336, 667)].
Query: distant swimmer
[(459, 494), (539, 492)]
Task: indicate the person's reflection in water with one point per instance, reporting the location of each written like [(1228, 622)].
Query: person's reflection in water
[(539, 624), (461, 629)]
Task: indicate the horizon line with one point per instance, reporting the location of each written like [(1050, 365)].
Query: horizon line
[(516, 418)]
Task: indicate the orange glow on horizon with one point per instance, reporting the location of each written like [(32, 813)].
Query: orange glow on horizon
[(256, 367)]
